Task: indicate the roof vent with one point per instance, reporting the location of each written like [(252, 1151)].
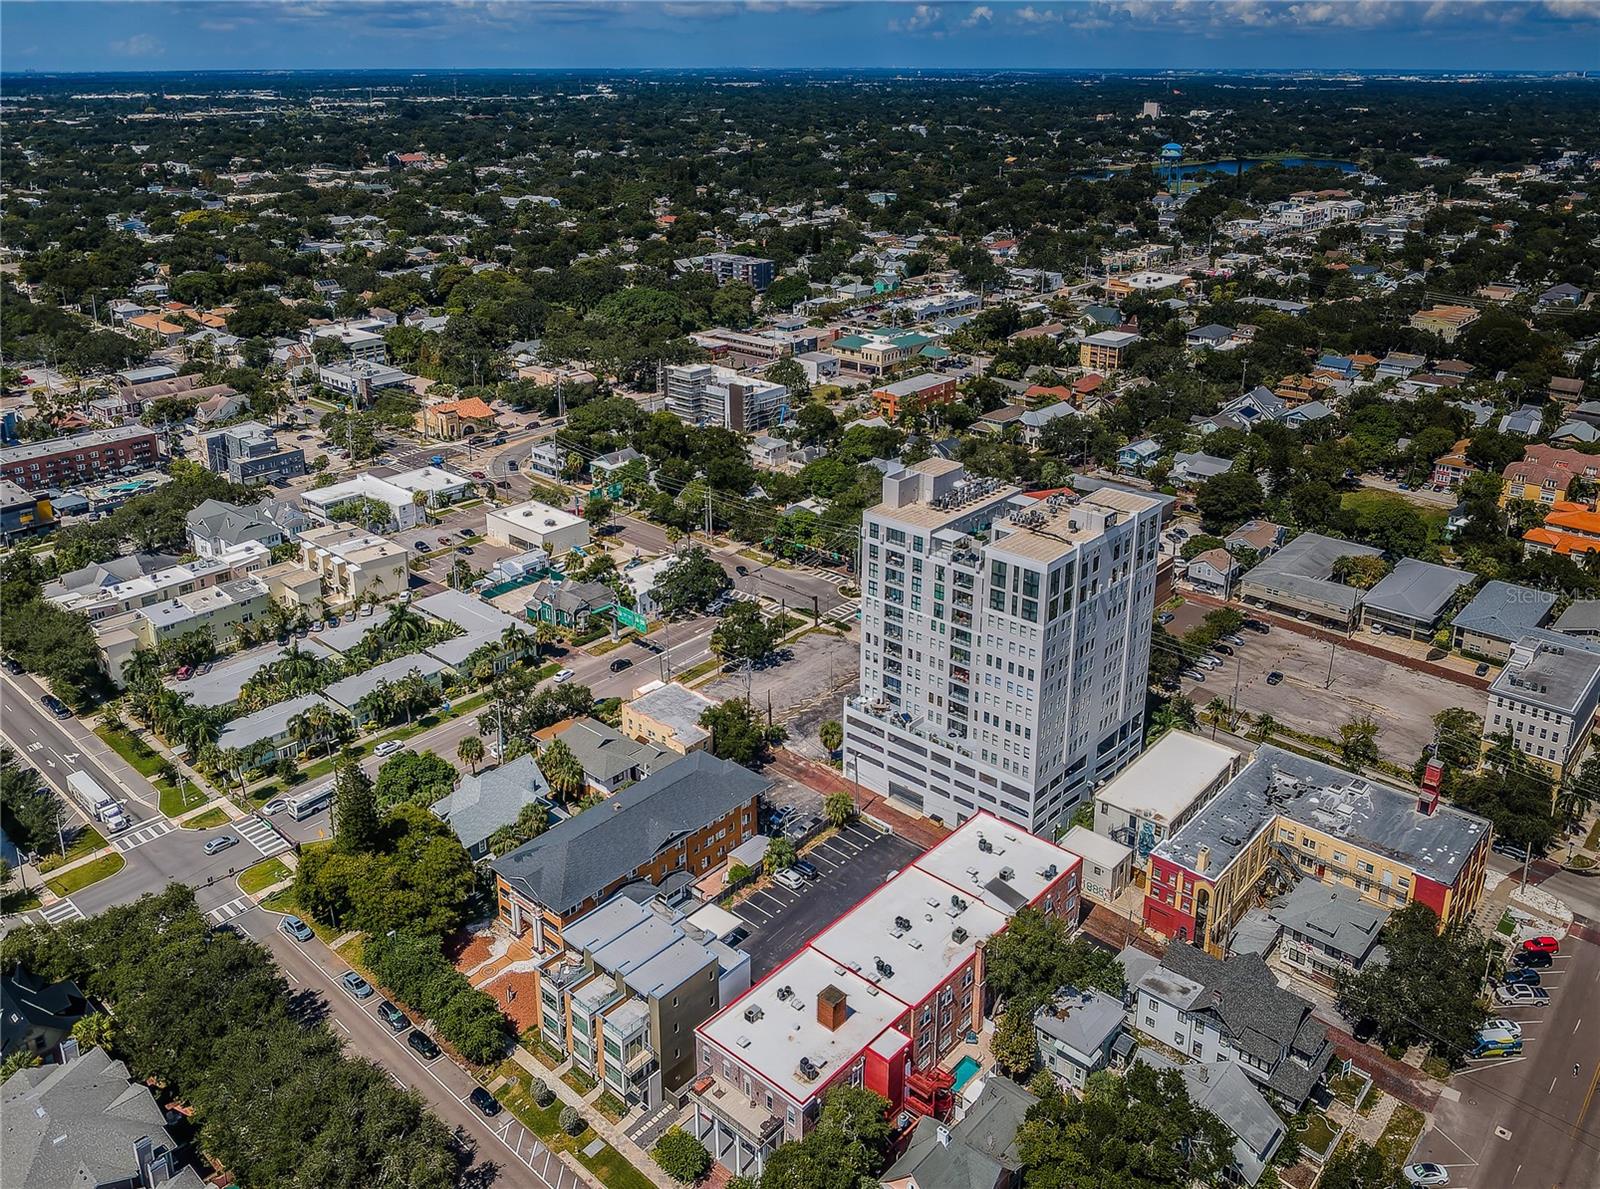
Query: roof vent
[(753, 1013)]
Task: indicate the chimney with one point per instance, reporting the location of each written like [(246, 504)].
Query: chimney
[(943, 1136), (1202, 860), (831, 1009), (143, 1158)]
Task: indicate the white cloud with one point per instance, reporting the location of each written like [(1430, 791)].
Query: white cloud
[(140, 45), (981, 15), (1029, 15), (923, 18)]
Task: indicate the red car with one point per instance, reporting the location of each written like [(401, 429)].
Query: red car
[(184, 673), (1541, 945)]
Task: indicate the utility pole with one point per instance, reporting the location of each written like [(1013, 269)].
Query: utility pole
[(1333, 648)]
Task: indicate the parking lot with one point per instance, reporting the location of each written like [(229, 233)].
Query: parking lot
[(1402, 701), (1529, 1121), (851, 863)]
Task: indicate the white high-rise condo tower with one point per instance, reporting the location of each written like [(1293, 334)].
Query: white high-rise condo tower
[(1005, 647)]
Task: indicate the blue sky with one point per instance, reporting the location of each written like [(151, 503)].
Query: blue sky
[(310, 34)]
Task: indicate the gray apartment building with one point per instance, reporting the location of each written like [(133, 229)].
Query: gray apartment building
[(249, 453)]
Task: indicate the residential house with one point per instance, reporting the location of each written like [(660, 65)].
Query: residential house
[(1261, 537), (215, 528), (1569, 528), (1567, 390), (87, 1123), (1208, 338), (486, 631), (1399, 365), (1412, 598), (678, 822), (569, 604), (1033, 421), (349, 693), (1319, 931), (1105, 351), (1075, 1031), (1138, 456), (270, 730), (978, 1152), (1524, 421), (1224, 1089), (223, 406), (547, 459), (610, 760), (1215, 571), (36, 1015), (1232, 1010), (484, 802), (1193, 468), (1450, 470), (1565, 294)]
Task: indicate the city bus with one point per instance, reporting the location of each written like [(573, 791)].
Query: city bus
[(306, 804)]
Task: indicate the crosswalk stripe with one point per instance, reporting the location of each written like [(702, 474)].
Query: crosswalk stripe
[(261, 836), (236, 907), (139, 835), (61, 912)]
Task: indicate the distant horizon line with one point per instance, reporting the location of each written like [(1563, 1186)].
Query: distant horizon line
[(1171, 71)]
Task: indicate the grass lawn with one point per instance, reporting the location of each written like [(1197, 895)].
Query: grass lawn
[(1436, 1066), (263, 875), (612, 1107), (608, 1165), (578, 1080), (210, 819), (1317, 1133), (176, 798), (1368, 498), (1592, 842), (1346, 1087), (81, 877), (18, 901), (88, 841), (1507, 926), (1401, 1135)]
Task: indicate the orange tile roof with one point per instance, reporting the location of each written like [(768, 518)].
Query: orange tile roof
[(1561, 542), (1574, 519), (471, 407)]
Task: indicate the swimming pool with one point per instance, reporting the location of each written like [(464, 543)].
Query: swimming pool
[(966, 1069)]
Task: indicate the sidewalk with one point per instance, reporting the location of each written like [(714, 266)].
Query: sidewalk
[(603, 1127)]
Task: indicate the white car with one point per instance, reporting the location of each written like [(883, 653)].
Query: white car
[(1511, 1027), (792, 880), (563, 677), (1425, 1174), (388, 747), (1518, 995), (276, 805)]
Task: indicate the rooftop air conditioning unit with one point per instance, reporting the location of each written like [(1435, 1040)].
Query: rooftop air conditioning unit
[(753, 1013)]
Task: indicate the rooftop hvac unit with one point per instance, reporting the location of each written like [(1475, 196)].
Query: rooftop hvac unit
[(984, 844), (784, 993), (753, 1013), (958, 935), (901, 923), (884, 969), (1007, 873), (807, 1071)]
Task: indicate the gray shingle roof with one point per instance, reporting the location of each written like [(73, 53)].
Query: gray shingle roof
[(1504, 611), (1303, 567), (76, 1124), (1333, 915), (584, 855), (479, 805), (980, 1146), (1417, 590)]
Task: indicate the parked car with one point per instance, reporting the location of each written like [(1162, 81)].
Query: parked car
[(1236, 640), (1482, 670), (11, 666), (1366, 1028), (55, 706), (1260, 626), (215, 846), (295, 927), (1541, 945), (1224, 649), (465, 533), (1518, 996), (620, 664), (1425, 1174), (742, 571), (789, 879), (420, 546), (422, 1044), (1208, 662), (1164, 618), (203, 669), (444, 540), (1508, 1026), (388, 747), (1275, 678), (806, 868), (184, 673), (1194, 674), (1520, 975), (393, 1016), (564, 676), (356, 985), (366, 610), (1533, 959), (488, 1105)]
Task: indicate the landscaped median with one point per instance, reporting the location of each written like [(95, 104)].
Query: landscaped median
[(207, 820), (608, 1164), (257, 879)]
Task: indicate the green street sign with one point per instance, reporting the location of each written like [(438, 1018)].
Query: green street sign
[(630, 619)]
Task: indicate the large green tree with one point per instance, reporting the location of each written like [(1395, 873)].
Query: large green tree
[(690, 583)]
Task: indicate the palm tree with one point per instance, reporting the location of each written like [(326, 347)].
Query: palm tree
[(314, 725), (1217, 711), (1265, 726), (831, 735), (377, 705), (563, 770), (839, 809), (142, 669), (513, 639), (544, 635), (402, 627), (470, 752)]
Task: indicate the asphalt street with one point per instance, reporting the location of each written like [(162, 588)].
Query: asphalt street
[(504, 1151), (1531, 1122)]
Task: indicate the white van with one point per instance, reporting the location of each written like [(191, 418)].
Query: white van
[(1208, 662)]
